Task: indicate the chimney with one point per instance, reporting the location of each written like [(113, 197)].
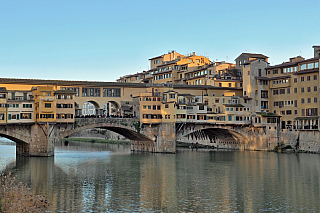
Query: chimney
[(316, 50)]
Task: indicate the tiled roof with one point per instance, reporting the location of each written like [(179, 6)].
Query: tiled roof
[(288, 63), (256, 55), (306, 71)]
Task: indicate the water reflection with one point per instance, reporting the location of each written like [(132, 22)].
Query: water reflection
[(103, 178)]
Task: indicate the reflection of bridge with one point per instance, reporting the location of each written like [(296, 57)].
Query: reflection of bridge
[(37, 139)]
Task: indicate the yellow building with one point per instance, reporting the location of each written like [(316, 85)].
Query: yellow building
[(65, 106), (3, 105), (294, 92), (171, 67), (45, 104)]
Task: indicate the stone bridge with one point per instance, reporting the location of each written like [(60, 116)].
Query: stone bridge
[(38, 139), (233, 136)]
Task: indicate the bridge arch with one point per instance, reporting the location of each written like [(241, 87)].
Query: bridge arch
[(112, 108), (14, 139), (124, 127), (218, 136), (87, 108)]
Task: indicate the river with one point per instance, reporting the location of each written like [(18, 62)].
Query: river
[(87, 177)]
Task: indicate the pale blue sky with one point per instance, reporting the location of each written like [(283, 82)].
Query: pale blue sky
[(103, 40)]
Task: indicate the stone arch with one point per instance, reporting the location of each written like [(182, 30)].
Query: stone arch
[(126, 131), (96, 111), (14, 139), (214, 136), (112, 108)]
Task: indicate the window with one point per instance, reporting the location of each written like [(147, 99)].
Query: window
[(309, 100), (46, 116), (275, 71), (166, 106), (275, 103), (149, 107), (144, 107), (201, 107), (111, 92), (295, 90), (275, 92), (295, 80), (295, 103), (315, 88), (315, 100), (27, 105), (25, 115), (310, 66), (296, 112), (282, 91), (303, 67), (229, 117), (302, 89), (47, 105), (302, 100), (302, 78), (172, 96), (308, 78), (308, 89), (90, 92), (288, 112), (288, 90), (248, 72), (312, 112)]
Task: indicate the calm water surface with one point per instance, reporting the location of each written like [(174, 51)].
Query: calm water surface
[(85, 177)]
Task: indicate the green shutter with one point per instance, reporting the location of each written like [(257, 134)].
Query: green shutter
[(17, 116), (9, 118)]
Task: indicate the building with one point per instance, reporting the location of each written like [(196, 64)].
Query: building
[(294, 92), (45, 104), (20, 107)]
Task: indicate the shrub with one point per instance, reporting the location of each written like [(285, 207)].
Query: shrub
[(16, 197)]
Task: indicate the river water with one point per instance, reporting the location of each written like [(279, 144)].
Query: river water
[(86, 177)]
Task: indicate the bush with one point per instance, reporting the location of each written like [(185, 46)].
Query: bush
[(18, 198)]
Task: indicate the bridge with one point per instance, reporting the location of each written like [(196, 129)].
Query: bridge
[(38, 139)]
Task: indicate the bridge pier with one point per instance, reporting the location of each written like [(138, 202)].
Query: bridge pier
[(162, 135)]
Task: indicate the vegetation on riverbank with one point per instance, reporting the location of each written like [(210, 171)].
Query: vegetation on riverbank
[(16, 197), (97, 140)]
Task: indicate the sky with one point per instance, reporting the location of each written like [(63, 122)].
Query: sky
[(103, 40)]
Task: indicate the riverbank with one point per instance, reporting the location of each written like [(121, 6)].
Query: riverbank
[(98, 140)]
